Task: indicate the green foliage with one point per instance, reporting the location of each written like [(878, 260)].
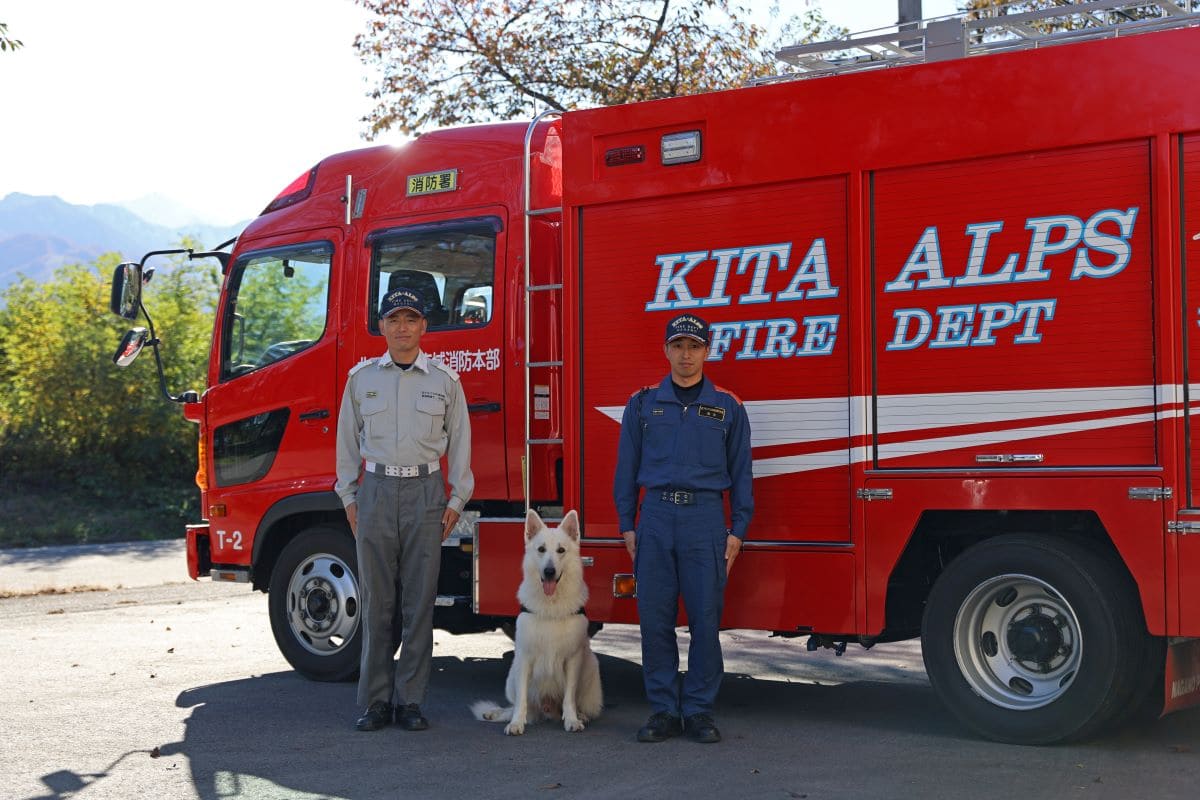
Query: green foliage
[(6, 41), (69, 417), (446, 62)]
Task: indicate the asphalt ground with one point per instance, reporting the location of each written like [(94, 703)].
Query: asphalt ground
[(126, 565)]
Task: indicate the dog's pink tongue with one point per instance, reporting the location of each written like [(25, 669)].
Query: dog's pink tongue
[(549, 586)]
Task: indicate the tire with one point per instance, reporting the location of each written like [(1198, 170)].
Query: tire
[(314, 604), (1033, 639)]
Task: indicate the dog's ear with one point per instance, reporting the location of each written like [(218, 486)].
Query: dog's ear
[(570, 525), (533, 524)]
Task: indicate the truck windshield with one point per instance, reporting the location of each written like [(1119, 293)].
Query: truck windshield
[(276, 306), (451, 264)]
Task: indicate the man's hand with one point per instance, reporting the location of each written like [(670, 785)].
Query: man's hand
[(733, 546), (352, 518), (630, 542), (449, 520)]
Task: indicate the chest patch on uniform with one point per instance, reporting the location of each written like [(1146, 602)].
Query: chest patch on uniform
[(713, 412), (657, 412), (372, 394)]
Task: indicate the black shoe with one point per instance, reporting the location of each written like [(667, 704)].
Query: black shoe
[(409, 717), (701, 728), (378, 715), (660, 727)]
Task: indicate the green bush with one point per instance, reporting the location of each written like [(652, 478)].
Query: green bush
[(90, 452)]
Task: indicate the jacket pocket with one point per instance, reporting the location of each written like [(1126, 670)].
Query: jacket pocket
[(711, 443), (658, 441), (376, 426), (431, 413)]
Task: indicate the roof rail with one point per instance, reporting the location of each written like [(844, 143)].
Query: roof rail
[(956, 36)]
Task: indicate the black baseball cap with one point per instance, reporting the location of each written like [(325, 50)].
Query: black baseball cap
[(397, 299), (688, 325)]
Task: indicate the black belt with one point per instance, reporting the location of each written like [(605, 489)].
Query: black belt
[(682, 497)]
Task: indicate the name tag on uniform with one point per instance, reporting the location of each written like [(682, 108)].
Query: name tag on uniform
[(657, 412), (372, 394), (712, 412)]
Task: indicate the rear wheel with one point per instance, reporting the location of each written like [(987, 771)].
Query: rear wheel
[(1033, 639), (314, 604)]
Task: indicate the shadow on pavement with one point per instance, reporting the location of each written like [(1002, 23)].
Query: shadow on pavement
[(34, 557), (279, 735)]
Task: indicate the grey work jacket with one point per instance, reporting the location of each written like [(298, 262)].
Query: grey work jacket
[(403, 418)]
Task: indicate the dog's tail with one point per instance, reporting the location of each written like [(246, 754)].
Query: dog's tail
[(487, 711)]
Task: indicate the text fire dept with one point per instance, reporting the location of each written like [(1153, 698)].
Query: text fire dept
[(1101, 245)]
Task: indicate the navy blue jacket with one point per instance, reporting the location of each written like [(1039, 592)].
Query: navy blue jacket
[(701, 447)]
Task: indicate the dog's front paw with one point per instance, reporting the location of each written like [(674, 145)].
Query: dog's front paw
[(514, 728), (572, 724)]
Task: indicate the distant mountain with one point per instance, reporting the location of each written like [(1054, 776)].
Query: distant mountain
[(162, 210), (39, 234)]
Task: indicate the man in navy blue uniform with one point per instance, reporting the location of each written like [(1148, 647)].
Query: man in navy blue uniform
[(684, 442)]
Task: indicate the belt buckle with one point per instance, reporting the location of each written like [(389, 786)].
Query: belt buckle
[(681, 497)]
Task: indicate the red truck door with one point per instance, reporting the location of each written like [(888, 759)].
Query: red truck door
[(456, 260), (1188, 540), (271, 409)]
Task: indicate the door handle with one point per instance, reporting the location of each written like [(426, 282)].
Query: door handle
[(483, 408), (320, 413)]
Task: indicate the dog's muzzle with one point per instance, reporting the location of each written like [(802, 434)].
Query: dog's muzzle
[(549, 580)]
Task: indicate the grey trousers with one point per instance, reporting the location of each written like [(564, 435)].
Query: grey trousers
[(399, 545)]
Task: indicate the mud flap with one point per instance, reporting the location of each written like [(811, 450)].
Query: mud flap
[(1182, 681)]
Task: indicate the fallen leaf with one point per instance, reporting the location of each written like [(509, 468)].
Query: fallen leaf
[(753, 771), (155, 753), (152, 675), (56, 611), (170, 649), (551, 786)]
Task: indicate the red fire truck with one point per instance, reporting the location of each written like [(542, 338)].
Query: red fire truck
[(958, 297)]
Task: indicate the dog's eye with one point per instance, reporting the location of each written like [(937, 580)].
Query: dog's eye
[(542, 549), (561, 550)]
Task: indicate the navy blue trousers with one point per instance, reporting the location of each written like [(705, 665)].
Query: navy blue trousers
[(681, 552)]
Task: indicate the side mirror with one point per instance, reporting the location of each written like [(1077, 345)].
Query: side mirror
[(131, 344), (126, 291)]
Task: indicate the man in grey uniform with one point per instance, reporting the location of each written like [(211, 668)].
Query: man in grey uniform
[(400, 413)]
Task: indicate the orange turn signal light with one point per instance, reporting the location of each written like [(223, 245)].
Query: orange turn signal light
[(624, 585), (216, 510)]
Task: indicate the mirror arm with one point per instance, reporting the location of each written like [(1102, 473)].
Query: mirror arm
[(219, 256), (175, 252), (185, 397)]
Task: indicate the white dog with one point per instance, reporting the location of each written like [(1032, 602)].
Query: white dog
[(553, 663)]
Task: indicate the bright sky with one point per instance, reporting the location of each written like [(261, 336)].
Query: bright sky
[(217, 104)]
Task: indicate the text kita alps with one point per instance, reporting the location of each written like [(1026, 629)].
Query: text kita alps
[(1100, 245)]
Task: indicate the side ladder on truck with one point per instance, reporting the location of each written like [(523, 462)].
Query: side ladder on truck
[(530, 290)]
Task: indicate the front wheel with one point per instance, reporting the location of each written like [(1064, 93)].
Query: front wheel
[(1033, 639), (314, 604)]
